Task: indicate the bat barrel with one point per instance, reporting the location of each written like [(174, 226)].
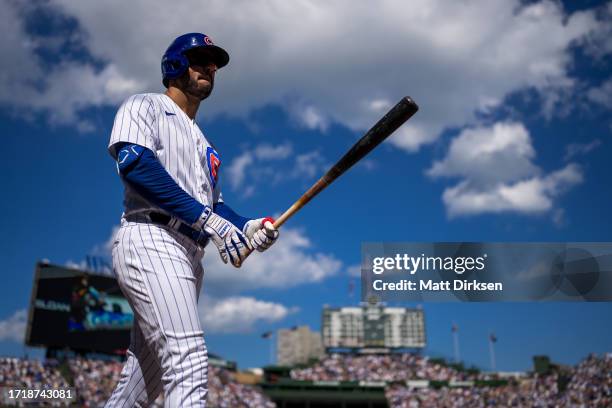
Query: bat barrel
[(389, 123)]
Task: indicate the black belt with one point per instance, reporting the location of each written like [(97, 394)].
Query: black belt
[(200, 237)]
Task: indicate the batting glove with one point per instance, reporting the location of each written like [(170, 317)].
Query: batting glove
[(261, 233), (229, 240)]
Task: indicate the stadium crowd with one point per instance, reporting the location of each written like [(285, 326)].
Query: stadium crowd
[(20, 373), (590, 385), (391, 367), (95, 380), (225, 392), (33, 374), (536, 392)]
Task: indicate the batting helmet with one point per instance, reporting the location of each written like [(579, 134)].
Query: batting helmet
[(174, 62)]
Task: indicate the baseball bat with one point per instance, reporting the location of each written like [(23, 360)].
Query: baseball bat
[(399, 114)]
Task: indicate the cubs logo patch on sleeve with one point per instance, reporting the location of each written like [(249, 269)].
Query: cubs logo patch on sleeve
[(213, 162)]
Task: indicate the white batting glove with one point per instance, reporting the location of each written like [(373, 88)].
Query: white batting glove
[(261, 233), (229, 240)]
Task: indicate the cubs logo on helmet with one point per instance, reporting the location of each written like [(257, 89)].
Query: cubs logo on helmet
[(208, 40), (213, 161)]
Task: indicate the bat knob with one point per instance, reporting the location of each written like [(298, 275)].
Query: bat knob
[(268, 223)]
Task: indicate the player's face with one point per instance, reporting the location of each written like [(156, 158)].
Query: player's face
[(202, 79), (199, 79)]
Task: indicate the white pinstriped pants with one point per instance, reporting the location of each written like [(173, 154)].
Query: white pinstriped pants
[(160, 273)]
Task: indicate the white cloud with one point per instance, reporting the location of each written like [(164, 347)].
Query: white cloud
[(558, 217), (13, 327), (308, 165), (380, 105), (237, 170), (105, 249), (274, 164), (602, 94), (497, 173), (411, 137), (599, 42), (269, 152), (369, 164), (239, 314), (347, 62), (354, 271), (309, 116), (63, 89), (98, 258), (534, 195), (260, 156), (292, 261), (488, 155), (106, 87), (575, 149)]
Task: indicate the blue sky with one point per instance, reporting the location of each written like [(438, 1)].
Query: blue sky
[(511, 144)]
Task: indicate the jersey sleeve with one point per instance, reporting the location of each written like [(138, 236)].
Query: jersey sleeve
[(140, 168), (135, 123)]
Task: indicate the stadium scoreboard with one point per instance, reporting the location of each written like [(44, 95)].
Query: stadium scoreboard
[(373, 326), (75, 309)]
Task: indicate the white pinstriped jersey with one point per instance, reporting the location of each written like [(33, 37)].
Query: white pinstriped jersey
[(154, 121)]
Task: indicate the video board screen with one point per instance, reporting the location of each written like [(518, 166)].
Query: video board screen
[(71, 308)]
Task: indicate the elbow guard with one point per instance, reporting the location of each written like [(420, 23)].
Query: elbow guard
[(127, 155)]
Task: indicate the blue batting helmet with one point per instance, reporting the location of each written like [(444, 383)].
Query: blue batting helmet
[(174, 62)]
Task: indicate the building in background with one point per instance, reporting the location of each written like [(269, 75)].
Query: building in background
[(373, 327), (298, 345)]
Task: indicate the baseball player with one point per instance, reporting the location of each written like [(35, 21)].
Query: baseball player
[(173, 209)]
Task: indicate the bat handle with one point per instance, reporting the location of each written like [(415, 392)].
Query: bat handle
[(287, 214), (281, 220)]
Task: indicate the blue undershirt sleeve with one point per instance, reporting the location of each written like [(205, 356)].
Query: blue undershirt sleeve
[(141, 169), (223, 210)]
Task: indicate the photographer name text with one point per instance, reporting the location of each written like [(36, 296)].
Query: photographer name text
[(436, 286)]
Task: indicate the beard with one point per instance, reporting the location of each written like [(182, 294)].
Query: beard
[(193, 87)]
